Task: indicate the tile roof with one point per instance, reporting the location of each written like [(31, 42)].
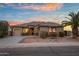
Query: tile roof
[(40, 24)]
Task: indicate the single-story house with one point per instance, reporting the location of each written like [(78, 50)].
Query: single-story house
[(35, 28)]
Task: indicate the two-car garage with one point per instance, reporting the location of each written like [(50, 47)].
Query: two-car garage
[(17, 31)]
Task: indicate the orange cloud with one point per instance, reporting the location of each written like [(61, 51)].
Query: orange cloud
[(45, 7), (49, 6), (13, 23)]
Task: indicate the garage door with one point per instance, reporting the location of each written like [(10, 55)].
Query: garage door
[(17, 32)]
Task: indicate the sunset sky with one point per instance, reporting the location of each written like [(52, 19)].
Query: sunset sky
[(26, 12)]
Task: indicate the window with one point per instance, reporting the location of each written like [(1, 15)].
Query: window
[(52, 29), (25, 30)]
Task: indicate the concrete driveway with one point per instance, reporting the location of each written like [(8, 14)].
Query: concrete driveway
[(11, 40)]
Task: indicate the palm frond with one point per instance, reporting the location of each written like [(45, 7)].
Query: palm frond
[(68, 18), (77, 15), (72, 14), (67, 24)]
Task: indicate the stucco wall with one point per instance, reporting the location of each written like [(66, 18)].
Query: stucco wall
[(59, 29), (44, 29)]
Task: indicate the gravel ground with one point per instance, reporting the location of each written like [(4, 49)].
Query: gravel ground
[(32, 39)]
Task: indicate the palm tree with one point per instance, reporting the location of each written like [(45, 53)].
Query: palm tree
[(74, 22)]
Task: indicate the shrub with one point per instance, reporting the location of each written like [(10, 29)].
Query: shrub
[(44, 34), (61, 34), (1, 34), (36, 34), (24, 34), (53, 34)]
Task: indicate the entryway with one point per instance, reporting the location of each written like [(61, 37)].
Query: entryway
[(31, 31)]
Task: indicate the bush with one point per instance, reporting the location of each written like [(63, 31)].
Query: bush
[(24, 34), (36, 34), (3, 34), (53, 34), (61, 34), (44, 35)]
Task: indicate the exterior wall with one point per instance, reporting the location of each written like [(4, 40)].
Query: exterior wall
[(68, 33), (43, 29), (9, 31), (59, 29), (17, 31), (36, 30)]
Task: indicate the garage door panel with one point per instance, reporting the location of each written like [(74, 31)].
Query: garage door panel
[(17, 32)]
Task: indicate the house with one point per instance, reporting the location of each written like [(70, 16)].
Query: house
[(68, 30), (35, 28)]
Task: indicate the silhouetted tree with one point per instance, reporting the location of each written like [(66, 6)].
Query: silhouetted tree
[(74, 22), (3, 28)]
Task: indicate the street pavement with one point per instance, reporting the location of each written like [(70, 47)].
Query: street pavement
[(41, 51)]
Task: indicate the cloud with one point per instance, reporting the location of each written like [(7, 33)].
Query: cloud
[(13, 23), (43, 7), (23, 13), (46, 18), (4, 5)]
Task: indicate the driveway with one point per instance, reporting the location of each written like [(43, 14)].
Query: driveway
[(11, 40)]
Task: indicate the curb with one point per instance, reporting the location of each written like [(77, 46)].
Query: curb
[(39, 44)]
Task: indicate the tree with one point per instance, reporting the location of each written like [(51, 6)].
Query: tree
[(74, 22), (3, 28)]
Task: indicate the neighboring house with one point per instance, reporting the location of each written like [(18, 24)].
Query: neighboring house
[(35, 28), (68, 30)]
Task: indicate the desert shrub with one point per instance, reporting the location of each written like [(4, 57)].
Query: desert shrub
[(44, 34), (24, 34), (53, 34), (36, 34), (3, 34), (61, 34)]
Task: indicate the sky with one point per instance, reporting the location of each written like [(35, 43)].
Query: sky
[(17, 13)]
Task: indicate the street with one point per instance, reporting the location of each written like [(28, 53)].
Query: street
[(41, 51)]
